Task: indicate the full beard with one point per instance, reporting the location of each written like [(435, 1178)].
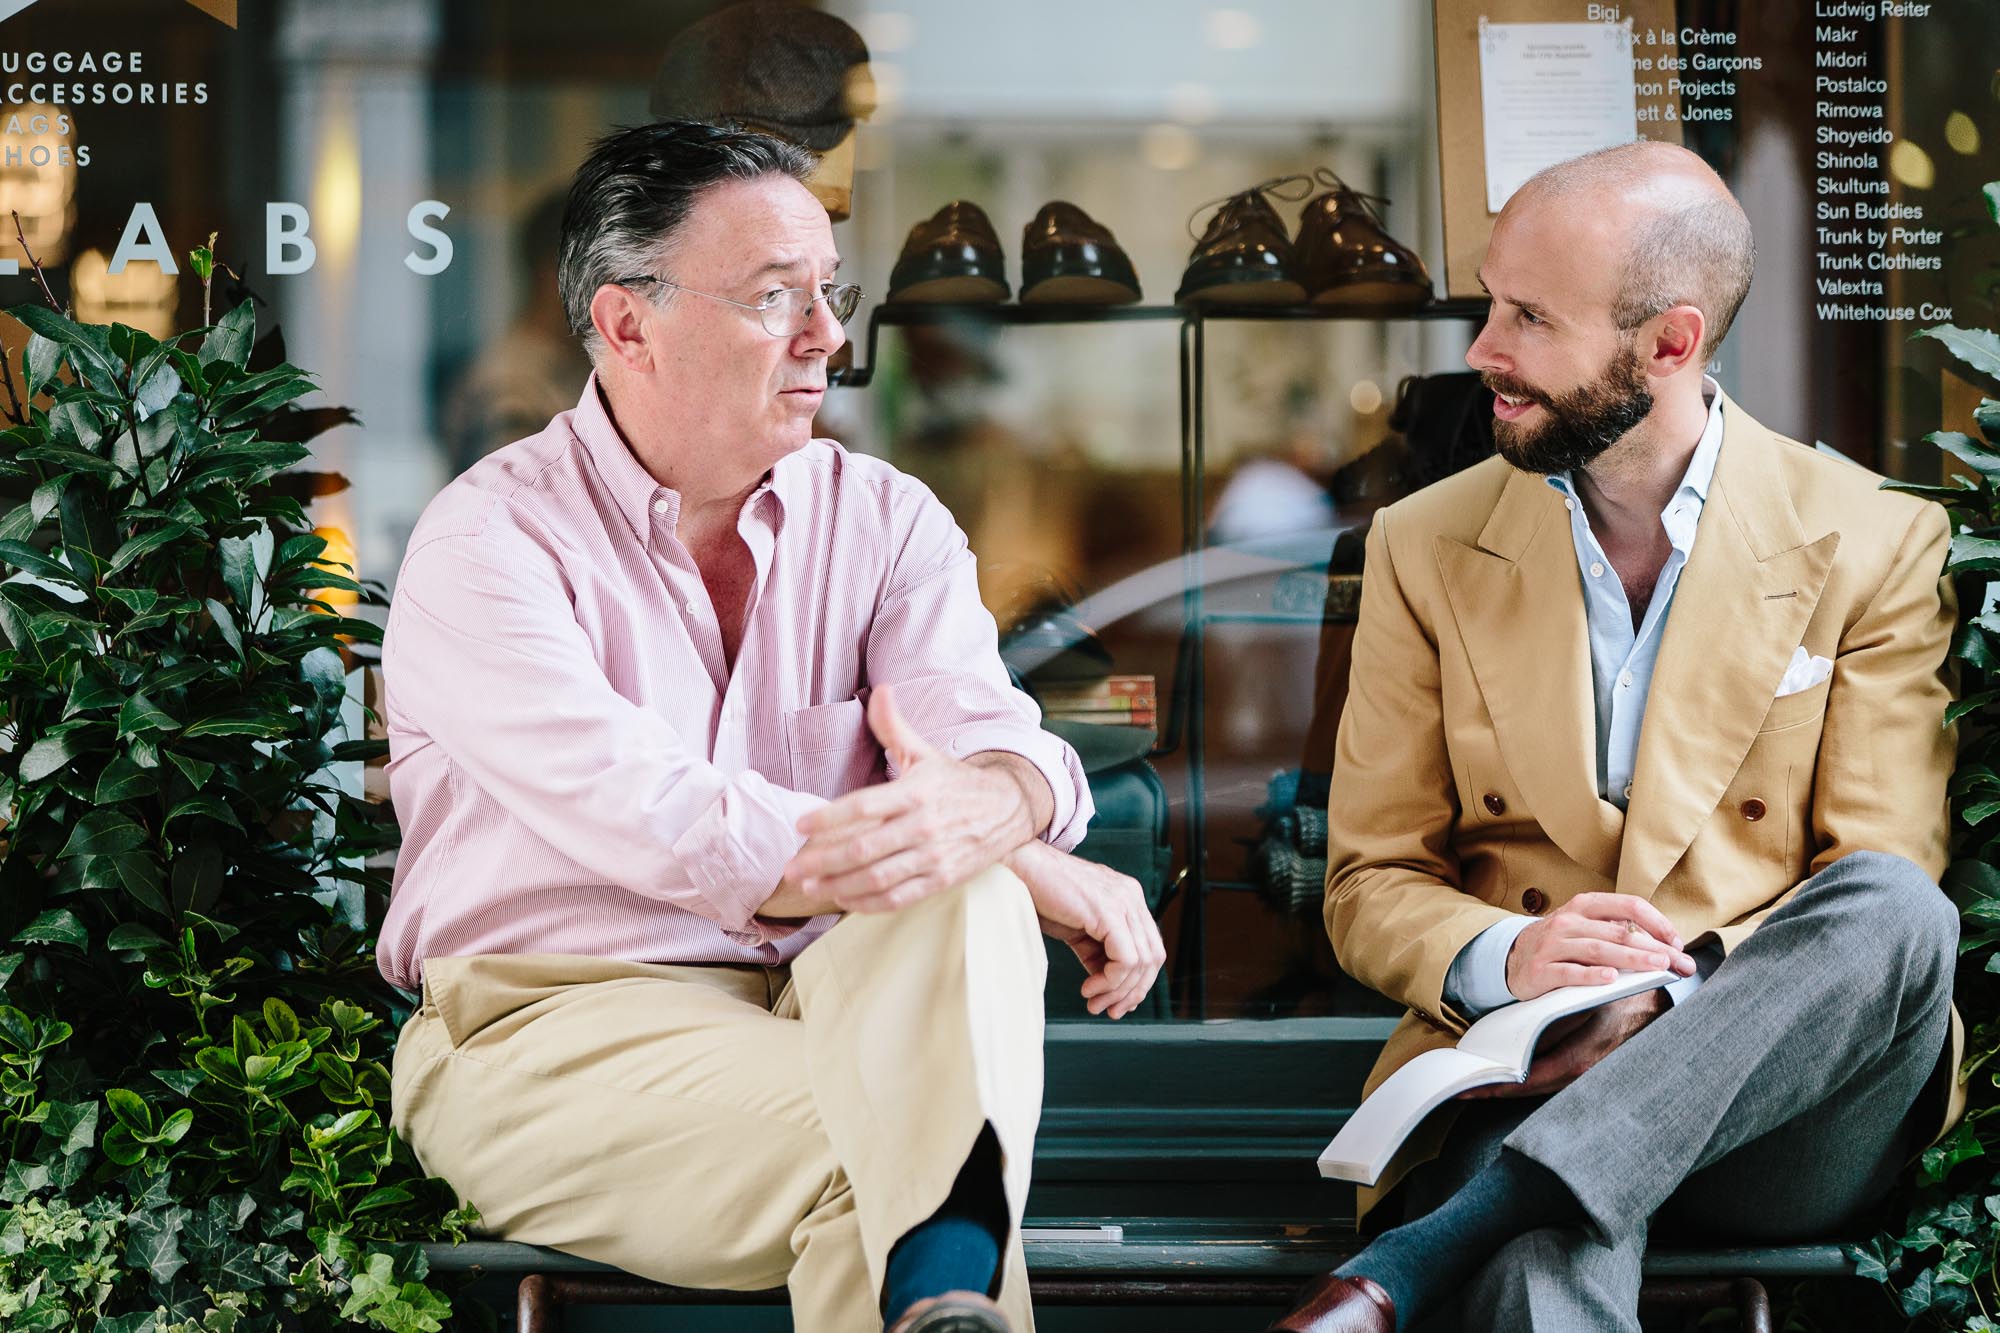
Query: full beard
[(1577, 425)]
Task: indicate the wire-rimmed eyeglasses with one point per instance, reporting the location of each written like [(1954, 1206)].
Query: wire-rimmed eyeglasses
[(785, 312)]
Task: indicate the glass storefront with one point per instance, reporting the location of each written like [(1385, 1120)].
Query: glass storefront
[(1166, 500)]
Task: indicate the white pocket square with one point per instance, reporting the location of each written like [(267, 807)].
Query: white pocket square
[(1804, 672)]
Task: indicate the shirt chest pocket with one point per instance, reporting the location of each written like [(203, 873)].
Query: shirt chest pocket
[(832, 751)]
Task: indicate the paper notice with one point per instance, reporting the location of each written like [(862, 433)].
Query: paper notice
[(1549, 92)]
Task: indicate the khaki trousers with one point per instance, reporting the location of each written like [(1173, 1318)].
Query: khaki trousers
[(740, 1127)]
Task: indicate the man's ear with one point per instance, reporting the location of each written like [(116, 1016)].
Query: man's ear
[(1675, 340), (619, 313)]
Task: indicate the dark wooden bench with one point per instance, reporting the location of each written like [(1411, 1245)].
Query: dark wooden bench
[(1161, 1262), (1275, 1087)]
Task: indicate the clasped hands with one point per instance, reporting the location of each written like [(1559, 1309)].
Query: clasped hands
[(943, 820), (1588, 941)]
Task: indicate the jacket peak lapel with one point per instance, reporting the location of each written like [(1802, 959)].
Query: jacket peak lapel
[(1744, 599), (1518, 602)]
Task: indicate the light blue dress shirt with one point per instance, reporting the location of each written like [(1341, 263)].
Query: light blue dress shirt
[(1621, 671)]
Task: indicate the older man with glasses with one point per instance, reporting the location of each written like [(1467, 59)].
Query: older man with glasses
[(727, 844)]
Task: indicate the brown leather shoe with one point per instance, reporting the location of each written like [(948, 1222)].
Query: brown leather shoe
[(1346, 258), (1244, 255), (953, 1312), (953, 257), (1340, 1305), (1067, 258)]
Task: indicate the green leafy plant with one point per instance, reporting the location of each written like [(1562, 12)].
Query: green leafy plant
[(193, 1036), (1940, 1263)]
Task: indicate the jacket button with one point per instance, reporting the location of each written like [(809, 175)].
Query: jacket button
[(1494, 805), (1753, 809), (1535, 902)]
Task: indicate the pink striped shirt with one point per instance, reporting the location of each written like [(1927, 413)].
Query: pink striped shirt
[(574, 767)]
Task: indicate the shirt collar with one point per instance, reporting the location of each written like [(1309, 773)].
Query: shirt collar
[(1701, 467), (634, 489)]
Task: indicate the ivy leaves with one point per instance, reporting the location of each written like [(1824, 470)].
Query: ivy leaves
[(211, 1160), (1940, 1263)]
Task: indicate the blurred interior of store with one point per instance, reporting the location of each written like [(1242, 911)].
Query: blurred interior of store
[(1171, 505)]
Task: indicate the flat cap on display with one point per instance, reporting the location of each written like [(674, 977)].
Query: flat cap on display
[(763, 64)]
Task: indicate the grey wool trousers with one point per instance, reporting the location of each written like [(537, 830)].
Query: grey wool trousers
[(1773, 1106)]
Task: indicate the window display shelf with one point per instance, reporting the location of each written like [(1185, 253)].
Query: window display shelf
[(1448, 309), (1007, 314)]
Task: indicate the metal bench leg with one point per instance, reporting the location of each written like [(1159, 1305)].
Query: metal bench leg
[(535, 1307), (1753, 1305), (1745, 1295)]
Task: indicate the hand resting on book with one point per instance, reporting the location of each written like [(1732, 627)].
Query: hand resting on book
[(1570, 1046), (1589, 940), (1502, 1047)]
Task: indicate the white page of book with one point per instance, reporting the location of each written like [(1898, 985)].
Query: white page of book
[(1385, 1118)]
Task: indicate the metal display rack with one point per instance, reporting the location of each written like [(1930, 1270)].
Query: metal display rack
[(1183, 721)]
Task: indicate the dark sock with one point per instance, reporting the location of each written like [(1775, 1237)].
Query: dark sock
[(940, 1255), (958, 1247), (1423, 1262)]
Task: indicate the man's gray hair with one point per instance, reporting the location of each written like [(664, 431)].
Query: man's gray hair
[(634, 194), (1691, 245)]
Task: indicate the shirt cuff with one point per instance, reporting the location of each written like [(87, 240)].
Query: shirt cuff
[(1706, 960), (735, 854), (1477, 981), (1056, 761)]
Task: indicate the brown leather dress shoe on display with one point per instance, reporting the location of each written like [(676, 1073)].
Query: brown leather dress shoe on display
[(1346, 258), (951, 257), (1340, 1305), (1068, 259), (1244, 255), (954, 1312)]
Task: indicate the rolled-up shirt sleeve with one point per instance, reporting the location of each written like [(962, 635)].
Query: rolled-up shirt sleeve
[(484, 655), (935, 642)]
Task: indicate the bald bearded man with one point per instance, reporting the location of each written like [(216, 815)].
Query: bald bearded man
[(1653, 689)]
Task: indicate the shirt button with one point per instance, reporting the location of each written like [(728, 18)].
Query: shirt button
[(661, 506), (1596, 570), (1570, 505), (1753, 809), (1628, 791), (1625, 681), (1534, 902), (693, 609), (1494, 805)]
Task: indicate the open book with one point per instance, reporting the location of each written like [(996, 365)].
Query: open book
[(1496, 1049)]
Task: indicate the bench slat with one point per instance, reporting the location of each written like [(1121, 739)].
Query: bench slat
[(1274, 1255)]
